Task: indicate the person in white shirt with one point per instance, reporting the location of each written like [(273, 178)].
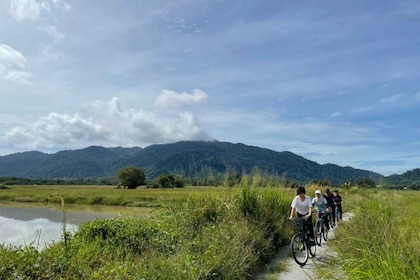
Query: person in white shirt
[(302, 205)]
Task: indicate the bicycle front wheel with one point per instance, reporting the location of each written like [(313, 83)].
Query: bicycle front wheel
[(299, 249), (312, 248)]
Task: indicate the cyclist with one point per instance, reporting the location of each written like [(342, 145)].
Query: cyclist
[(321, 207), (337, 203), (302, 205), (329, 197)]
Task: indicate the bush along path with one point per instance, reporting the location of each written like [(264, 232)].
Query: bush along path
[(322, 266)]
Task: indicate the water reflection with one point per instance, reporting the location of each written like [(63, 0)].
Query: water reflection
[(39, 232), (39, 225)]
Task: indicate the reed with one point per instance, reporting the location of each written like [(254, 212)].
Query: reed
[(382, 240)]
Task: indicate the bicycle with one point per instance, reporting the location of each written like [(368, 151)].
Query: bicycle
[(321, 228), (300, 243)]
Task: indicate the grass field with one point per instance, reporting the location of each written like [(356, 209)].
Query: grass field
[(102, 195), (213, 233), (382, 241)]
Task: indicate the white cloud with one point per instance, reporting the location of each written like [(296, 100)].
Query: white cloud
[(361, 109), (62, 5), (54, 33), (13, 65), (392, 99), (31, 9), (106, 123), (172, 99)]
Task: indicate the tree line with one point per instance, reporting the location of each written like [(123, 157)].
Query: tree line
[(131, 177)]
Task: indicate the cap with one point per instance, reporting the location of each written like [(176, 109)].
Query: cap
[(317, 192)]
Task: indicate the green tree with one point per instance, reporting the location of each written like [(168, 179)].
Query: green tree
[(131, 177), (366, 183), (168, 181), (347, 184)]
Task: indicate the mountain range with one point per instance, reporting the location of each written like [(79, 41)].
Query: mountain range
[(186, 158)]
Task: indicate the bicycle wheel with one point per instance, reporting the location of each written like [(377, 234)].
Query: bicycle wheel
[(311, 247), (299, 249), (318, 232), (325, 231)]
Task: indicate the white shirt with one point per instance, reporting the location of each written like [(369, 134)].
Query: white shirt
[(302, 207)]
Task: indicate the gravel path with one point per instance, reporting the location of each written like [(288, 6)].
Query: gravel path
[(293, 271)]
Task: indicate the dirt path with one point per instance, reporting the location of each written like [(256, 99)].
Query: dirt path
[(292, 271)]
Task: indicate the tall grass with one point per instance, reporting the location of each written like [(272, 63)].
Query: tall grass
[(382, 240), (228, 234)]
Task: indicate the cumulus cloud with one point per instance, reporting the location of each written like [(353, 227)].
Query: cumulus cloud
[(172, 99), (13, 65), (31, 9), (25, 9), (108, 123)]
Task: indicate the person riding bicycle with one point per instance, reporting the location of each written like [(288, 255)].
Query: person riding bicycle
[(337, 202), (321, 207), (302, 205), (329, 197)]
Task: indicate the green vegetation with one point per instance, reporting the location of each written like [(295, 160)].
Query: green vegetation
[(131, 177), (168, 181), (214, 233), (226, 234), (382, 241), (407, 180), (102, 195)]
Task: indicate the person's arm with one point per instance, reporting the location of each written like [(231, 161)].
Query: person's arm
[(309, 213), (310, 209), (292, 212)]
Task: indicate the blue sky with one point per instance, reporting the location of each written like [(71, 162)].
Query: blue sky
[(332, 81)]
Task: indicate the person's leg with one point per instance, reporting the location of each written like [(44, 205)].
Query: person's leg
[(333, 214), (310, 227), (326, 222), (307, 226), (341, 211)]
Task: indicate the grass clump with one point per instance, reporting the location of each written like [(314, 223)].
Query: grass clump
[(382, 240)]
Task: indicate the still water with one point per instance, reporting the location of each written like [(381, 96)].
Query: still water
[(40, 225)]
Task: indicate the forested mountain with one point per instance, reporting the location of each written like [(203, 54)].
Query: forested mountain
[(187, 158), (409, 179)]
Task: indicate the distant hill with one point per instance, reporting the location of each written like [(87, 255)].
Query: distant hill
[(409, 179), (187, 158)]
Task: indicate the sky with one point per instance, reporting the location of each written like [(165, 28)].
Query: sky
[(332, 81)]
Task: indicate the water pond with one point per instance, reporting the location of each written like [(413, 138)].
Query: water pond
[(42, 224)]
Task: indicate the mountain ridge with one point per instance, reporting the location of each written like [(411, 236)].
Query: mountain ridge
[(187, 158)]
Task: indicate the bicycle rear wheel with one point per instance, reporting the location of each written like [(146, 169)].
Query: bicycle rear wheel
[(318, 233), (325, 231), (299, 249)]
